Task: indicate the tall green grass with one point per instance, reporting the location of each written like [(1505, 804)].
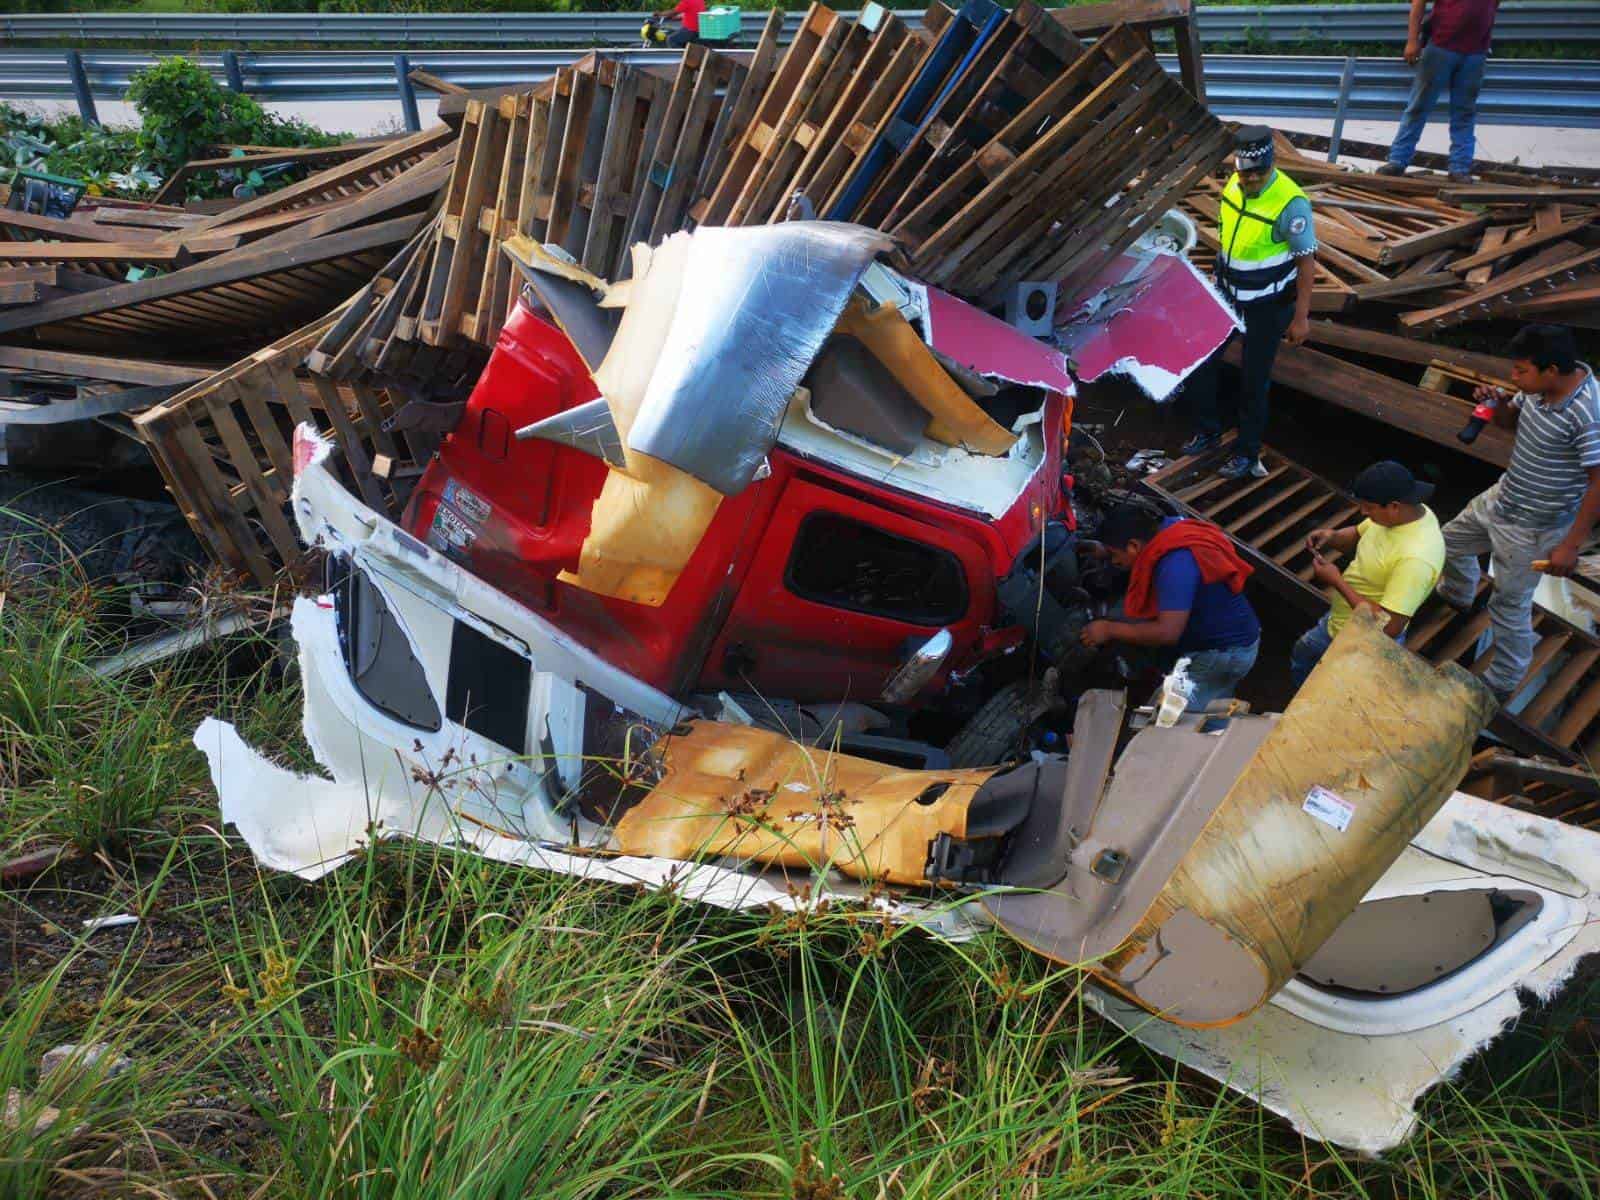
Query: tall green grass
[(426, 1024)]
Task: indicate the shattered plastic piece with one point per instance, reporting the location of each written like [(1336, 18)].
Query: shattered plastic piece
[(1147, 461), (92, 924), (1349, 1070), (1155, 329)]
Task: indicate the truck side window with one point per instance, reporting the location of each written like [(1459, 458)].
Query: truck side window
[(488, 689), (378, 654), (849, 564)]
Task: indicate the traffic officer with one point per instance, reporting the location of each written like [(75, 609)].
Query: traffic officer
[(1266, 268)]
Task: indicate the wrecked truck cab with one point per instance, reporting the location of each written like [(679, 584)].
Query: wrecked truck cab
[(1204, 874), (909, 447)]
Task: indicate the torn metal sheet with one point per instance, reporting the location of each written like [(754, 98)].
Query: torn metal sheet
[(570, 294), (588, 427), (751, 309), (1155, 328), (989, 346), (1350, 1070)]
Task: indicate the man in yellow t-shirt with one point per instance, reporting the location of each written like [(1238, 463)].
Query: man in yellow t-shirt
[(1399, 553)]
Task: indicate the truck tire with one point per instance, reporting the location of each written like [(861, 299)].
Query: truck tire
[(994, 734)]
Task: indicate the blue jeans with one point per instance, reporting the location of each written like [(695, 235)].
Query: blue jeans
[(1436, 70), (1308, 651), (1216, 673), (1313, 644)]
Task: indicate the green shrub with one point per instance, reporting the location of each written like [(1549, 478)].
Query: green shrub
[(184, 111)]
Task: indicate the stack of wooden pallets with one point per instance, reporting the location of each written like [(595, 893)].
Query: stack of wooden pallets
[(992, 145)]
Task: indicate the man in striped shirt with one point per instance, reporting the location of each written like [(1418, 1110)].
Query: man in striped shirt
[(1543, 507)]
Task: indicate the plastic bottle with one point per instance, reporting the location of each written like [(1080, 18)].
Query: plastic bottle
[(1176, 689)]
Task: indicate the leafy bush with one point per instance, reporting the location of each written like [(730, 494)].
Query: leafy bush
[(184, 111)]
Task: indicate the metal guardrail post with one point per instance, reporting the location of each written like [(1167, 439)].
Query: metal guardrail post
[(80, 88), (1345, 82), (408, 94), (230, 64)]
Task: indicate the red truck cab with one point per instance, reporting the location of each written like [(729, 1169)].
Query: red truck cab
[(816, 580)]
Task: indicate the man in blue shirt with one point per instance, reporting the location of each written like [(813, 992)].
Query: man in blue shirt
[(1185, 598)]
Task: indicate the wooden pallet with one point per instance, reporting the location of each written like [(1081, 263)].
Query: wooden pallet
[(235, 298), (1146, 17), (224, 447), (638, 107), (1425, 412), (462, 245), (957, 202), (336, 183), (1268, 519), (1387, 230), (893, 57), (834, 68), (671, 151), (716, 86), (1117, 150), (750, 140), (740, 105), (1011, 70), (1550, 789), (956, 37), (1559, 266)]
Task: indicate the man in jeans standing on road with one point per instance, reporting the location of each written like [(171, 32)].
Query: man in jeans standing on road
[(1456, 46), (1545, 505)]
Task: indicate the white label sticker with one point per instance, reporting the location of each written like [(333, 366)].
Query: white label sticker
[(1329, 807)]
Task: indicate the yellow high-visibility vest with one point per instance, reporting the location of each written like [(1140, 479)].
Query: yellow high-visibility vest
[(1253, 264)]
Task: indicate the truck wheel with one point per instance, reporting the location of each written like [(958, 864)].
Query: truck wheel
[(994, 734)]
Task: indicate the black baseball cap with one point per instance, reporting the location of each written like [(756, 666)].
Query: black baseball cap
[(1387, 482)]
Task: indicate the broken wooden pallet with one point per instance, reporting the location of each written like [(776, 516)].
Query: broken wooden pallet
[(1562, 792), (1115, 159), (1009, 71), (1428, 413), (225, 449), (1558, 702), (235, 298), (1146, 17), (750, 140), (893, 58)]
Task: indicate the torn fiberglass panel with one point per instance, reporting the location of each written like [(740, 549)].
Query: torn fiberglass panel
[(1156, 328)]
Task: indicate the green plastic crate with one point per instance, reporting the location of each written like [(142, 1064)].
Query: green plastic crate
[(719, 24)]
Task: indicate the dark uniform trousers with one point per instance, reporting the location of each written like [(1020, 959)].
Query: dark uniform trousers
[(1265, 323)]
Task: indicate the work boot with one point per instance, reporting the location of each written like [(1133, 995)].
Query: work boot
[(1239, 466), (1198, 444), (1391, 169), (1460, 176)]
